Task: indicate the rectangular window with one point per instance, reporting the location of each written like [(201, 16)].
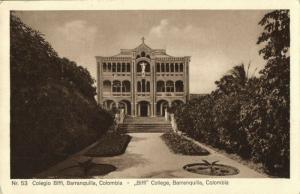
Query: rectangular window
[(123, 67), (128, 67), (104, 67), (157, 67), (167, 67)]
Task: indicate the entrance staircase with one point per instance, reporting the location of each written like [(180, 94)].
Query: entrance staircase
[(145, 125)]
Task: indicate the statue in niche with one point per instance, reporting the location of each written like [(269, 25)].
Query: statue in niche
[(143, 66)]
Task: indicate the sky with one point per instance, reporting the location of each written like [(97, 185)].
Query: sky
[(216, 40)]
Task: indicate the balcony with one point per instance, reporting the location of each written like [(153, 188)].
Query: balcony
[(143, 94), (116, 94), (178, 74), (169, 94), (146, 74), (116, 74)]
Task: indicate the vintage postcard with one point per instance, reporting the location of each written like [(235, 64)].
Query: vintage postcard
[(162, 96)]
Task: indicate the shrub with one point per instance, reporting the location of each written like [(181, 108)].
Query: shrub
[(250, 116), (183, 146), (111, 144), (53, 110)]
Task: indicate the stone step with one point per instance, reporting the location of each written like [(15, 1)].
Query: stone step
[(145, 125)]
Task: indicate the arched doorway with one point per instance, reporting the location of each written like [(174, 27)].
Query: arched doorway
[(109, 104), (144, 109), (126, 105), (161, 105)]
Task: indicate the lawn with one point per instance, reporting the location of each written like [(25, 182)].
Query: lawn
[(180, 145), (111, 144)]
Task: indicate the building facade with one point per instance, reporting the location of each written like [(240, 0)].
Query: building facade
[(142, 81)]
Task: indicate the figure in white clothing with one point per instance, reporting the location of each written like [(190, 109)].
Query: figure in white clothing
[(143, 65)]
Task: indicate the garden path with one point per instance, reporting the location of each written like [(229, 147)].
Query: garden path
[(147, 156)]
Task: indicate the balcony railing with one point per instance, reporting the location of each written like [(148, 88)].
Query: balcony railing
[(163, 94), (118, 74), (109, 94), (140, 73), (142, 94), (169, 74), (145, 94)]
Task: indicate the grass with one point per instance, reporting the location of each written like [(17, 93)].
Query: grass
[(180, 145), (111, 144)]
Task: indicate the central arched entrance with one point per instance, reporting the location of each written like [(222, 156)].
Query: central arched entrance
[(144, 109)]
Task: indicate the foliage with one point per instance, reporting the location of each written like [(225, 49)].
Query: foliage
[(53, 110), (111, 144), (249, 115), (183, 146)]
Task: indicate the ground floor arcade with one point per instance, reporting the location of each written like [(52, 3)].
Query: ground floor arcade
[(142, 108)]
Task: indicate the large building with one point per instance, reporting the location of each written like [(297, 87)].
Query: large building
[(142, 81)]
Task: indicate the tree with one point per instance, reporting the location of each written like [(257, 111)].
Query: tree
[(266, 116)]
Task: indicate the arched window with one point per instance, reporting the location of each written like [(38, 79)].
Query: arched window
[(128, 67), (109, 67), (116, 86), (119, 67), (123, 67), (148, 56), (143, 85), (160, 86), (148, 87), (179, 86), (104, 67), (181, 67), (138, 56), (167, 67), (157, 67), (172, 67), (139, 88), (106, 86), (126, 86), (170, 86), (114, 68), (143, 54)]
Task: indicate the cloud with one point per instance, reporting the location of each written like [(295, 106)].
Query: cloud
[(76, 40), (77, 33), (167, 30)]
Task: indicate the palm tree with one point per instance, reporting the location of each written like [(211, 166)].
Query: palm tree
[(235, 81)]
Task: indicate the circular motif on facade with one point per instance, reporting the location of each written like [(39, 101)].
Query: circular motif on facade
[(211, 169)]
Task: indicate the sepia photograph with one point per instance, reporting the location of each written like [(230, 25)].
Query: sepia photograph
[(112, 94)]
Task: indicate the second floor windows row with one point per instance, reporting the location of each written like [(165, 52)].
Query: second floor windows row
[(116, 67), (169, 67)]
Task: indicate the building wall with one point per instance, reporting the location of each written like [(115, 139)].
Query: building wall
[(125, 69)]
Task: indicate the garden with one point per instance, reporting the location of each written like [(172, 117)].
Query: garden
[(179, 145), (249, 115)]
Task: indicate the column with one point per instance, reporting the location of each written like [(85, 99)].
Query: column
[(148, 109), (187, 80), (154, 109), (136, 110), (133, 85), (174, 86), (132, 109)]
